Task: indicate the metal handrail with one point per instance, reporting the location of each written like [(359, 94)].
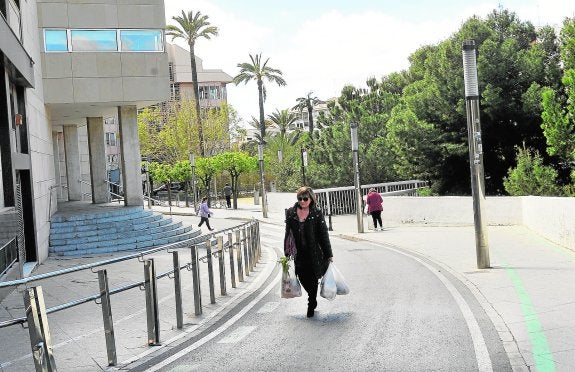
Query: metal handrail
[(10, 252), (192, 241), (247, 241)]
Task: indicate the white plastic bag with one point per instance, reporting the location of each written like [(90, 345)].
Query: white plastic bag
[(341, 285), (290, 286), (328, 287)]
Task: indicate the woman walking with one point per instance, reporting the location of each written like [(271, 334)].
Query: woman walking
[(313, 249), (205, 213), (374, 207)]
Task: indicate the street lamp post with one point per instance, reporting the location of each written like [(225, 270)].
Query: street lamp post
[(355, 149), (303, 165), (475, 152), (193, 164), (262, 181)]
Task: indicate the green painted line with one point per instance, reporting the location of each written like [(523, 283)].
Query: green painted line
[(540, 348)]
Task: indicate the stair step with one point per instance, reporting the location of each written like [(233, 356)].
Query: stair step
[(107, 235), (64, 232), (104, 217), (145, 244), (122, 241)]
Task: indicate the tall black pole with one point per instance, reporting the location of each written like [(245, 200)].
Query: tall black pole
[(475, 152)]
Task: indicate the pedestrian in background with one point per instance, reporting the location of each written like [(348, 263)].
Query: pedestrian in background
[(305, 221), (374, 207), (228, 195), (205, 213)]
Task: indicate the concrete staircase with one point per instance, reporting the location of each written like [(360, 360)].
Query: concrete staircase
[(120, 229)]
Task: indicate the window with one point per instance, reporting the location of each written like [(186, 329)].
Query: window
[(110, 138), (62, 40), (93, 40), (141, 40), (56, 40)]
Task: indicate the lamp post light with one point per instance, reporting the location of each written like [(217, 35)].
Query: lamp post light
[(193, 164), (262, 181), (355, 150), (303, 164), (475, 152)]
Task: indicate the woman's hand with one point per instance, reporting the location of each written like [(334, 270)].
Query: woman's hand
[(330, 259)]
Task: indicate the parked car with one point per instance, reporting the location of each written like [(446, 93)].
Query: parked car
[(175, 187)]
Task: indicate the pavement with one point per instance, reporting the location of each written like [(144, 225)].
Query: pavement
[(528, 292)]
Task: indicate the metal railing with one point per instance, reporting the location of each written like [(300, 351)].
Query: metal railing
[(8, 255), (240, 251), (341, 200)]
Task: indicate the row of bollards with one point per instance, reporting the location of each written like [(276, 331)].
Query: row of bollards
[(243, 249)]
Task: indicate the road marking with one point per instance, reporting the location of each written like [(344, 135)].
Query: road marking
[(269, 307), (236, 336), (542, 355), (481, 353), (222, 328)]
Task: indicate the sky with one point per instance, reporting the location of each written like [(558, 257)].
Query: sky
[(323, 45)]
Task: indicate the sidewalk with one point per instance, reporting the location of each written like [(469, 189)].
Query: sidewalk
[(529, 293)]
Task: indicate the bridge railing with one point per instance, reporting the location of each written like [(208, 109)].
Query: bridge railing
[(341, 200), (236, 249)]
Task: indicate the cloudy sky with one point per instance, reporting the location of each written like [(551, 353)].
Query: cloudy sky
[(322, 45)]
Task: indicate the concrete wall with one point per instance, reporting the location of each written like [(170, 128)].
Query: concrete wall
[(114, 77), (552, 218), (40, 135)]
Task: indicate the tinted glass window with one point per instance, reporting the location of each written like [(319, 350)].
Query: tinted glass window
[(141, 40), (56, 40), (94, 40)]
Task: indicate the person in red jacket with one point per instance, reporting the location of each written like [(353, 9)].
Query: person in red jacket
[(374, 207)]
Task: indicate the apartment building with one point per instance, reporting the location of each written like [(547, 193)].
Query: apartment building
[(66, 67)]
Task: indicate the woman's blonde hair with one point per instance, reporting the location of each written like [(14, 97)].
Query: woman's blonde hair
[(306, 190)]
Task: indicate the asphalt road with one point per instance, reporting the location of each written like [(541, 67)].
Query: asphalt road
[(403, 314)]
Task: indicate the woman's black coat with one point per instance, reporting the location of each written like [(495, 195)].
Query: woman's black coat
[(316, 237)]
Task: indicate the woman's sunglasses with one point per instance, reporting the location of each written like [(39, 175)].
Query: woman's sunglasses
[(304, 198)]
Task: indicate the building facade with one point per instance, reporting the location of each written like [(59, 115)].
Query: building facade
[(68, 66)]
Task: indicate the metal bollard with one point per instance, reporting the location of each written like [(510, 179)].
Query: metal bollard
[(330, 228), (246, 259), (252, 241), (152, 315), (231, 251), (259, 240), (107, 317), (210, 271), (222, 266), (39, 331), (196, 281), (239, 256), (178, 291)]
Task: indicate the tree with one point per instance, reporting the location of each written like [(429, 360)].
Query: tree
[(258, 71), (236, 163), (308, 102), (191, 28), (282, 120), (530, 176)]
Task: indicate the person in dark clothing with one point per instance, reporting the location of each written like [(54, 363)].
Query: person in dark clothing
[(305, 221), (228, 194)]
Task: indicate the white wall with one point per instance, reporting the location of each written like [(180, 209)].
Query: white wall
[(552, 218), (40, 134)]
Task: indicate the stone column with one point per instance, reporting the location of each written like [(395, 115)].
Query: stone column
[(97, 149), (130, 147), (73, 172)]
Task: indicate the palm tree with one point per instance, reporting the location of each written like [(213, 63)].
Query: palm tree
[(255, 123), (258, 71), (282, 120), (191, 28), (308, 102)]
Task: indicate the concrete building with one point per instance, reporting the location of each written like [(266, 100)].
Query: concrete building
[(66, 67), (211, 82)]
